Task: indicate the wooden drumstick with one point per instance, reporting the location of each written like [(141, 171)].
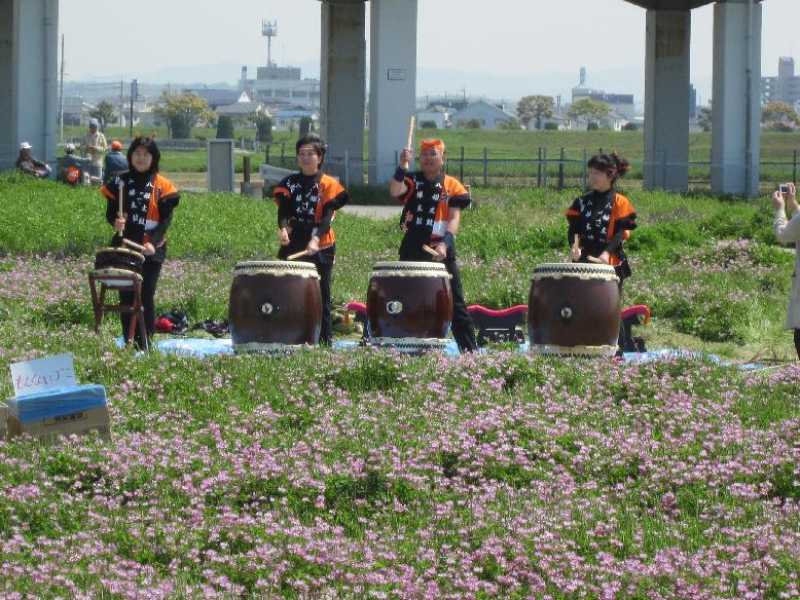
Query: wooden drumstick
[(133, 245), (120, 196), (411, 127), (430, 251), (577, 243), (594, 259), (297, 255)]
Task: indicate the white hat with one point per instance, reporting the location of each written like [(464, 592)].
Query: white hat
[(25, 146)]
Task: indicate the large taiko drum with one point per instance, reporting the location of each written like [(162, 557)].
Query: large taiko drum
[(574, 308), (274, 306), (409, 306), (113, 266)]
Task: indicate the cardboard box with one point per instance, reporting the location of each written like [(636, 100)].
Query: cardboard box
[(66, 411), (81, 422)]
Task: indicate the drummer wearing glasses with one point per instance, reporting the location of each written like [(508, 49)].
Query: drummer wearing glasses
[(432, 205)]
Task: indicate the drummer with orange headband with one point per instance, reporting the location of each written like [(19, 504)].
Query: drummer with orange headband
[(431, 217)]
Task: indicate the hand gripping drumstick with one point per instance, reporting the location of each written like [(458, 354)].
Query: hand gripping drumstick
[(133, 245), (430, 250), (297, 255)]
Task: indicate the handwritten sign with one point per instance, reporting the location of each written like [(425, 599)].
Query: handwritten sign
[(34, 376)]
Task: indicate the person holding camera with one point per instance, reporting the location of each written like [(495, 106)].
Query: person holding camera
[(787, 230)]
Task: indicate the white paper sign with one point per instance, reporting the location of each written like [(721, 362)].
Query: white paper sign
[(44, 374)]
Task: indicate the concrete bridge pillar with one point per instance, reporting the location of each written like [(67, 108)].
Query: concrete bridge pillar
[(343, 87), (736, 103), (393, 79), (666, 118), (28, 69)]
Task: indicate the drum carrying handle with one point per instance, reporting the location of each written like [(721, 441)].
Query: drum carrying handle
[(267, 309)]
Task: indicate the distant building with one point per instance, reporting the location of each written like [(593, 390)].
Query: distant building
[(76, 110), (282, 86), (488, 115), (439, 115), (783, 88), (241, 110), (620, 103), (216, 97), (288, 119)]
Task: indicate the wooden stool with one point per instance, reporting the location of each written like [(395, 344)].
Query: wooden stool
[(123, 281)]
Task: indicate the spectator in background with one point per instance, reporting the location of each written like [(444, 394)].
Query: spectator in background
[(27, 164), (95, 146), (70, 167), (787, 230), (116, 162)]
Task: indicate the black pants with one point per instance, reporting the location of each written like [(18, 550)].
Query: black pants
[(797, 342), (323, 260), (462, 326), (150, 272)]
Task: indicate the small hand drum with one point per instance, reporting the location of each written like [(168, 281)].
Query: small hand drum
[(110, 263), (119, 258)]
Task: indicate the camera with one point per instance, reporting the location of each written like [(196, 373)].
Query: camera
[(784, 189)]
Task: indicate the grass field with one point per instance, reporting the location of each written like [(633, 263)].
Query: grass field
[(372, 475), (512, 153)]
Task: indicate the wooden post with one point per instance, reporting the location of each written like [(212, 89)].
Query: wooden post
[(544, 156), (246, 168), (585, 168), (561, 171), (485, 166), (539, 169), (266, 153)]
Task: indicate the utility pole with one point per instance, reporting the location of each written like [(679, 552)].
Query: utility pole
[(61, 93), (121, 101), (134, 96)]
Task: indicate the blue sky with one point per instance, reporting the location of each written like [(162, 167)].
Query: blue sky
[(505, 48)]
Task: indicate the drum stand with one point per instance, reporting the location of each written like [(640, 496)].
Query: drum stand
[(124, 281)]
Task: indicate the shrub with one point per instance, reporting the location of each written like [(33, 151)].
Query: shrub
[(225, 128)]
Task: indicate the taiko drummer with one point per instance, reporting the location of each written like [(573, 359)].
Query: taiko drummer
[(601, 221), (307, 203), (148, 202), (430, 219)]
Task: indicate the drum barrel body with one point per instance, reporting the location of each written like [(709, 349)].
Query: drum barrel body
[(119, 258), (574, 309), (409, 301), (274, 303)]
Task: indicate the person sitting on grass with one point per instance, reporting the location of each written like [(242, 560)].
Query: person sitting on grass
[(788, 231), (149, 200), (307, 203), (27, 164)]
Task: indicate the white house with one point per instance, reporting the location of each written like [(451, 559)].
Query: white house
[(437, 114), (488, 115)]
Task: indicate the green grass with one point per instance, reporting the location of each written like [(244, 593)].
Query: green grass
[(709, 269), (362, 474), (521, 148)]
